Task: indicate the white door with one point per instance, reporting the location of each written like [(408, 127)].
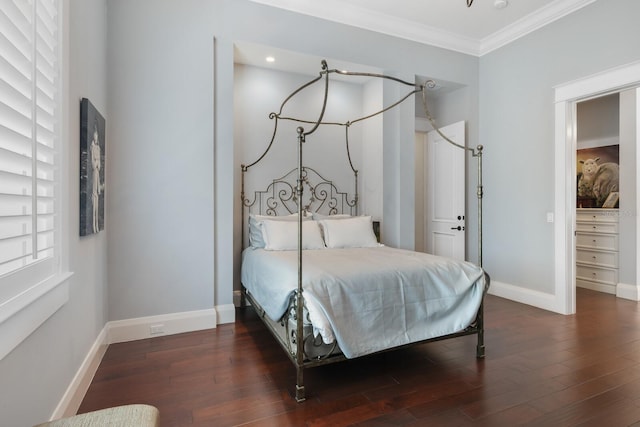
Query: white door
[(445, 198)]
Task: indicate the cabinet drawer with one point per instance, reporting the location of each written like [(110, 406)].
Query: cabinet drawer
[(597, 241), (597, 227), (597, 215), (603, 275), (597, 258)]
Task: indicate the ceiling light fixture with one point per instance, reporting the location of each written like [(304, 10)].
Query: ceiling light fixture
[(500, 4), (270, 59), (469, 3)]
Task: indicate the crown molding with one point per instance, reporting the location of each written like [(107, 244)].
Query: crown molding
[(344, 13), (336, 11), (530, 23)]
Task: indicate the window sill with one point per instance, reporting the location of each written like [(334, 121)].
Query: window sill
[(24, 313)]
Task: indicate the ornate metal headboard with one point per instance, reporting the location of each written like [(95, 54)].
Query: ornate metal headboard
[(319, 195)]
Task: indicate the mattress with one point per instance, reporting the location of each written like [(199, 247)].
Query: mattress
[(368, 299)]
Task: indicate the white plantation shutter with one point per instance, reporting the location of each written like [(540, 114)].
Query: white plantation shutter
[(29, 136)]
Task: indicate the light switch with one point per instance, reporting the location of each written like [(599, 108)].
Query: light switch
[(549, 216)]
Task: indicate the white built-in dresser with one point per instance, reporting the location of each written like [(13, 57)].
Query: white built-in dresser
[(597, 249)]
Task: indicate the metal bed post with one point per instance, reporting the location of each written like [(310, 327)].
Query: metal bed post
[(480, 325), (243, 168), (300, 394), (480, 194), (480, 352)]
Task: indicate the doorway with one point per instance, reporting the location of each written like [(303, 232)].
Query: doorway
[(600, 141), (445, 229), (566, 98), (440, 192)]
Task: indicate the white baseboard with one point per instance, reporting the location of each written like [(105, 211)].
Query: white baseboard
[(226, 314), (130, 330), (631, 292), (548, 301), (522, 295), (72, 398), (595, 286), (164, 324)]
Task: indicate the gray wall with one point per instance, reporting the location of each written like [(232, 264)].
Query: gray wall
[(161, 157), (35, 375), (517, 129)]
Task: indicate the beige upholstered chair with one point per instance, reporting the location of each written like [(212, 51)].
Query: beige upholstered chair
[(120, 416)]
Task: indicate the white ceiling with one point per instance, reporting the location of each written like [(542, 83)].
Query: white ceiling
[(450, 24)]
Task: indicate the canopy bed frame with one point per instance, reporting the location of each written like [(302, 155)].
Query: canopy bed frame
[(303, 192)]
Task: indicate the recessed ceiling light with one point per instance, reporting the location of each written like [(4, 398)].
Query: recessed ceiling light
[(270, 59), (500, 4)]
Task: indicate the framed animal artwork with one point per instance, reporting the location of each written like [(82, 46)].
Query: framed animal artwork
[(92, 162), (598, 176)]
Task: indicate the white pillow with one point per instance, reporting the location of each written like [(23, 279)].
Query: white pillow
[(256, 239), (355, 232), (283, 235)]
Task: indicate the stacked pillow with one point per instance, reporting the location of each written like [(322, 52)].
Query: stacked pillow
[(256, 238), (280, 233), (353, 232)]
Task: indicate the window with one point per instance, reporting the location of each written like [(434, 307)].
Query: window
[(30, 121)]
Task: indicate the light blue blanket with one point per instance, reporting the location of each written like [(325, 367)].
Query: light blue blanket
[(370, 299)]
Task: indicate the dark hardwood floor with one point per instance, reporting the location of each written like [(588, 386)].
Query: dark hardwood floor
[(541, 369)]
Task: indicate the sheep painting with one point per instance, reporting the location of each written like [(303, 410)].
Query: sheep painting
[(598, 180)]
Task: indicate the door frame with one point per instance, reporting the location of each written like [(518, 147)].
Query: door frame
[(567, 96)]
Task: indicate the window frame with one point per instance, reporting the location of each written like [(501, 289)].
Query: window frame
[(32, 294)]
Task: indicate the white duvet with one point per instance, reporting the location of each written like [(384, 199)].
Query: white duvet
[(368, 299)]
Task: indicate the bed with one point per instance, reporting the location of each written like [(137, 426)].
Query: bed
[(367, 299), (328, 290)]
